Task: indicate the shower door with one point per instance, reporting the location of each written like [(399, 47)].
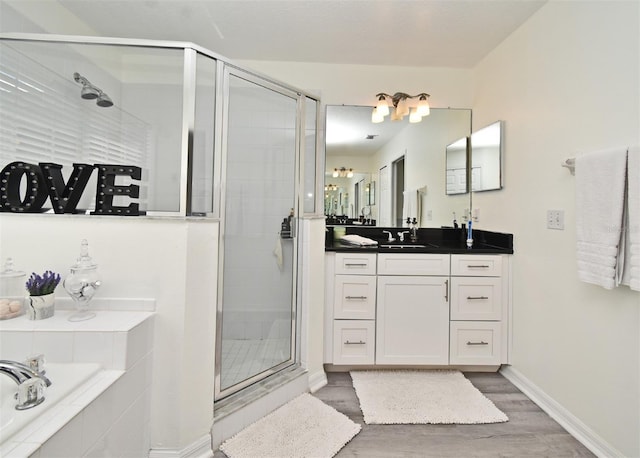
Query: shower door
[(256, 314)]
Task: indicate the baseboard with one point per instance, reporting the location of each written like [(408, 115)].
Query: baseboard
[(585, 435), (200, 448), (317, 381)]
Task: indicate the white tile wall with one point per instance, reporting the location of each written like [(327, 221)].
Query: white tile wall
[(108, 415)]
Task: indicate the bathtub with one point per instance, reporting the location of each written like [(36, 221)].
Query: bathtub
[(67, 381)]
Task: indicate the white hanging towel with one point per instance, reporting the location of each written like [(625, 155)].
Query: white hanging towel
[(632, 261), (411, 205), (600, 202), (277, 251)]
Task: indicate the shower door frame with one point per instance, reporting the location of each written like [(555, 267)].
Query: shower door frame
[(294, 355)]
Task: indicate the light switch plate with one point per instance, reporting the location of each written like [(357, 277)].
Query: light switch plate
[(555, 219)]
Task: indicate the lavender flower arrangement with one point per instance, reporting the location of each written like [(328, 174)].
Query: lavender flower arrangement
[(40, 285)]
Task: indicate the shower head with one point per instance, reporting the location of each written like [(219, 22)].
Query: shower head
[(90, 92), (104, 100)]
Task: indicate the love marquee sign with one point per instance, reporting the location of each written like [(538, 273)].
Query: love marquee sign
[(45, 180)]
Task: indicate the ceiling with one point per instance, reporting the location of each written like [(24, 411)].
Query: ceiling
[(434, 33)]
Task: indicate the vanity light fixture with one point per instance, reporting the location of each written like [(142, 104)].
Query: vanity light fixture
[(403, 105), (331, 187), (342, 172)]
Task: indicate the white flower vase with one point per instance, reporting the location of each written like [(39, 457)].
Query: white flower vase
[(41, 307)]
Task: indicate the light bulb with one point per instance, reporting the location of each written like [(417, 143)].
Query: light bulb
[(376, 116), (402, 109), (383, 106), (414, 116), (423, 106)]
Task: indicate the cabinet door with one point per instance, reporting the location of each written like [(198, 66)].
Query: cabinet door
[(476, 342), (355, 297), (476, 265), (476, 298), (353, 341), (356, 263), (412, 323)]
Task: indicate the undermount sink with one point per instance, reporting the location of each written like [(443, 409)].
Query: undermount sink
[(405, 246)]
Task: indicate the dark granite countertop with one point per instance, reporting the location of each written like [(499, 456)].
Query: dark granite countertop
[(430, 240)]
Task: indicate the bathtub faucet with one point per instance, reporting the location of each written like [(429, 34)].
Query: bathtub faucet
[(31, 383), (20, 372)]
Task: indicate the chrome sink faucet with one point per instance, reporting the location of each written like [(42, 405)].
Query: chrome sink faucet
[(390, 238), (401, 235)]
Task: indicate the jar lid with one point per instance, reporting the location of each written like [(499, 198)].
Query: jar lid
[(9, 272), (84, 261)]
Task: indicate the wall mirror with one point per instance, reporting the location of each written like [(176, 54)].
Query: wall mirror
[(373, 151), (486, 158)]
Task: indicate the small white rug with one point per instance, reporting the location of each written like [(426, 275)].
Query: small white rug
[(422, 396), (304, 427)]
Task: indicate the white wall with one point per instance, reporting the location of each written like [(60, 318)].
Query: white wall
[(565, 83), (167, 260)]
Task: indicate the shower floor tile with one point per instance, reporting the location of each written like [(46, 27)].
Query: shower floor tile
[(242, 359)]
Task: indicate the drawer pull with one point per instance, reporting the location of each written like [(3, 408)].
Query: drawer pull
[(360, 342), (477, 298), (361, 264), (480, 266), (363, 298), (446, 290), (482, 342)]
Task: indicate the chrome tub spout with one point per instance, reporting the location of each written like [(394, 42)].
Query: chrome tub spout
[(20, 372)]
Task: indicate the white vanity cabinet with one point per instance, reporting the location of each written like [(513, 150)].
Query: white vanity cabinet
[(354, 308), (417, 309), (478, 312), (412, 321)]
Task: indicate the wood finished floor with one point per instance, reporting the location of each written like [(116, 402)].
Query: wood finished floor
[(530, 432)]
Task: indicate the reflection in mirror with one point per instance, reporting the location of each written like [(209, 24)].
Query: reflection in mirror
[(486, 158), (354, 142), (456, 159)]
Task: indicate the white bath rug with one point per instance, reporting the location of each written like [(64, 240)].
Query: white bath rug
[(422, 396), (304, 427)]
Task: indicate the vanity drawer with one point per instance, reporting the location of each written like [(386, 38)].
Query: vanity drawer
[(413, 264), (476, 298), (353, 341), (356, 263), (476, 265), (475, 342), (354, 297)]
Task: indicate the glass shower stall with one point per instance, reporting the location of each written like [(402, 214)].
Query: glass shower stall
[(213, 140)]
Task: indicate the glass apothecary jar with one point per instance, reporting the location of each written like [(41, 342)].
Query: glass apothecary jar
[(12, 291), (82, 283)]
